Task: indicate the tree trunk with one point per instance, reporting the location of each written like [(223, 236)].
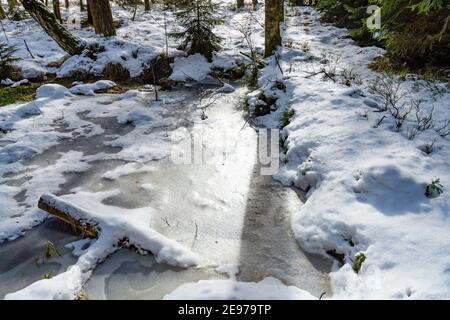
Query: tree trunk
[(2, 12), (240, 4), (89, 14), (272, 26), (67, 4), (255, 4), (57, 10), (102, 17), (12, 5), (281, 9), (82, 5), (67, 41), (147, 5)]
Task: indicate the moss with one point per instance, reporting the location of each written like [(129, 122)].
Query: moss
[(9, 95)]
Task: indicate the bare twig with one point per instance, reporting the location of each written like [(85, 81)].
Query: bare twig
[(277, 59), (166, 221), (4, 31), (28, 49)]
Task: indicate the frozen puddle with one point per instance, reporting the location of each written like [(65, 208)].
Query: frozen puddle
[(209, 198)]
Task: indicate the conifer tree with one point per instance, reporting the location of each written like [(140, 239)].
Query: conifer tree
[(417, 31), (6, 59), (198, 19)]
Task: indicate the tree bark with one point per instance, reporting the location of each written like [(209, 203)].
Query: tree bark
[(2, 12), (47, 20), (12, 5), (89, 14), (82, 6), (255, 4), (65, 212), (67, 4), (102, 17), (146, 5), (240, 4), (281, 10), (272, 26), (57, 10)]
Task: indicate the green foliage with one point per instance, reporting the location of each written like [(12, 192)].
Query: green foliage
[(251, 76), (286, 117), (359, 260), (415, 32), (434, 189), (350, 14), (198, 19), (6, 60), (47, 275), (24, 93), (49, 251)]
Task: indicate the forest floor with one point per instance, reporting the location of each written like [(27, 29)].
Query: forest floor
[(352, 181)]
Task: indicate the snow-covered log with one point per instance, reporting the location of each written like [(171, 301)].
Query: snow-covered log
[(67, 213), (128, 230)]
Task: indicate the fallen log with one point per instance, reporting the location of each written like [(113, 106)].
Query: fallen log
[(67, 214), (48, 21), (116, 228)]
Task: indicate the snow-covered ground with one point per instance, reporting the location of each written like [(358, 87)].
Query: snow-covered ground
[(126, 157), (135, 45), (365, 176)]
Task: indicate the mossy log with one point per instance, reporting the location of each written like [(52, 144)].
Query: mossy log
[(67, 213), (47, 20)]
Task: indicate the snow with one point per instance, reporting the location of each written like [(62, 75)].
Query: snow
[(363, 178), (19, 83), (91, 88), (137, 42), (194, 67), (267, 289), (60, 287), (135, 45), (365, 182), (7, 82), (54, 120), (114, 225), (227, 88), (127, 169)]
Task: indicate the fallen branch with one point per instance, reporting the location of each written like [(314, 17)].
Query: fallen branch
[(114, 228), (28, 49), (66, 213), (4, 31)]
